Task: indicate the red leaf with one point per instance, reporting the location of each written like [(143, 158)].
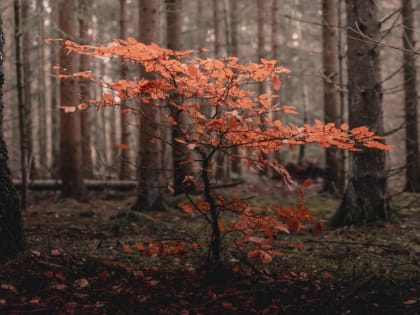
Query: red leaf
[(307, 182), (229, 306), (276, 82), (344, 127), (127, 249), (319, 226)]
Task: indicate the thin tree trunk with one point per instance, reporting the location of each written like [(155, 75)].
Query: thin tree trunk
[(333, 183), (234, 51), (124, 166), (275, 25), (21, 106), (84, 17), (71, 168), (11, 231), (149, 168), (54, 95), (218, 52), (411, 98), (364, 200), (42, 121)]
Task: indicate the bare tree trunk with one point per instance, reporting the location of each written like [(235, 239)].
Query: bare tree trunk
[(180, 152), (27, 88), (84, 18), (71, 168), (275, 25), (333, 183), (42, 121), (11, 231), (364, 199), (234, 51), (124, 169), (149, 168), (21, 105), (219, 40), (411, 98), (55, 86)]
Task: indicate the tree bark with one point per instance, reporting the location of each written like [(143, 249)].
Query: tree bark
[(234, 51), (84, 17), (54, 95), (41, 93), (11, 231), (180, 152), (71, 168), (125, 134), (411, 98), (333, 182), (149, 168), (364, 200), (219, 40), (23, 130)]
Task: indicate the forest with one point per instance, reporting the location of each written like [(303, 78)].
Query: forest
[(209, 157)]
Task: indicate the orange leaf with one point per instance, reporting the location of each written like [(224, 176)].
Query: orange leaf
[(344, 127), (307, 182), (139, 246), (275, 82), (193, 71), (82, 106), (127, 249), (186, 207), (108, 98), (69, 109), (121, 146), (327, 276)]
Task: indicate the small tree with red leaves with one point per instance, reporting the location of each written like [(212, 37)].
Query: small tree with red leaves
[(223, 111)]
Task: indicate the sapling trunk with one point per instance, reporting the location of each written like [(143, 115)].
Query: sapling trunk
[(215, 241)]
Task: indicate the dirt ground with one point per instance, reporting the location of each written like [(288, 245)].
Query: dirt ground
[(82, 259)]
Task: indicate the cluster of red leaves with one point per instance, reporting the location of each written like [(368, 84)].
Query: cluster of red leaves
[(224, 111)]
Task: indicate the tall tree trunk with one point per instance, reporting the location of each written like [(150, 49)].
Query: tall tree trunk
[(219, 40), (364, 199), (21, 104), (411, 98), (54, 95), (234, 51), (180, 152), (149, 168), (85, 16), (333, 183), (11, 231), (27, 87), (124, 165), (42, 121), (275, 55), (71, 168)]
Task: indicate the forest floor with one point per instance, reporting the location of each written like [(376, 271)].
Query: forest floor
[(82, 259)]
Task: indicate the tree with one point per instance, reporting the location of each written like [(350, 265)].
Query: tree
[(334, 163), (227, 86), (364, 199), (11, 230), (125, 134), (149, 190), (84, 16), (23, 109), (180, 152), (71, 168), (411, 98)]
